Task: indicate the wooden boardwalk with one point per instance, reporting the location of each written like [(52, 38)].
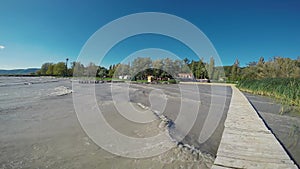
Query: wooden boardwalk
[(247, 142)]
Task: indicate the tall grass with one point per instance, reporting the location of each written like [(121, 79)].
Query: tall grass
[(286, 90)]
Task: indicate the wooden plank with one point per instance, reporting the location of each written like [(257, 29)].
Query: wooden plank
[(219, 167), (246, 141), (240, 163)]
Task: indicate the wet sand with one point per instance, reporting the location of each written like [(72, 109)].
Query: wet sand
[(41, 130), (284, 124)]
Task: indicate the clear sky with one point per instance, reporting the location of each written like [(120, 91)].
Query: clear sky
[(36, 31)]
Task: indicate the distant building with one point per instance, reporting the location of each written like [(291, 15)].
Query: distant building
[(150, 79), (185, 75), (125, 77), (203, 80), (222, 79)]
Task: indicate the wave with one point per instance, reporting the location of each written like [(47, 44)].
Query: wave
[(169, 125), (26, 83)]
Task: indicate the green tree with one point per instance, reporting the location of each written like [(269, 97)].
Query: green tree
[(44, 68), (200, 70), (122, 70), (91, 70), (250, 72), (59, 69), (185, 67), (219, 73), (49, 72), (284, 67), (141, 67), (168, 66), (102, 73), (211, 68), (77, 69), (261, 68), (176, 67), (111, 70), (193, 67), (296, 73), (235, 70), (157, 66), (186, 61), (39, 73), (204, 73)]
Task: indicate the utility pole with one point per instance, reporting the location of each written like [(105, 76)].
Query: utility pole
[(66, 74)]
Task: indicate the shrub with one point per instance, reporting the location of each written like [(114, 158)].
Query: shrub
[(172, 81)]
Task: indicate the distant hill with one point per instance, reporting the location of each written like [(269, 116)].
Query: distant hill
[(18, 71)]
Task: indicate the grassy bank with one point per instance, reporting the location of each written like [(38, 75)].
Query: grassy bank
[(284, 89)]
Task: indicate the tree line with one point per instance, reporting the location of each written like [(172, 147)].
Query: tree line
[(277, 67), (53, 69), (141, 67), (61, 69)]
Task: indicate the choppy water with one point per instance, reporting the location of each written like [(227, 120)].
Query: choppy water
[(18, 91), (39, 130)]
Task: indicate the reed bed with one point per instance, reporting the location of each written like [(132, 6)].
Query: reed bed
[(286, 90)]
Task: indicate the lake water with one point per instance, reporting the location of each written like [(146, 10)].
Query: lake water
[(39, 129)]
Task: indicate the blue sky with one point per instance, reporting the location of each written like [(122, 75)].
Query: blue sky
[(34, 32)]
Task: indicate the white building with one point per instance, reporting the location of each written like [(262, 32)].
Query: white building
[(125, 77), (186, 75)]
